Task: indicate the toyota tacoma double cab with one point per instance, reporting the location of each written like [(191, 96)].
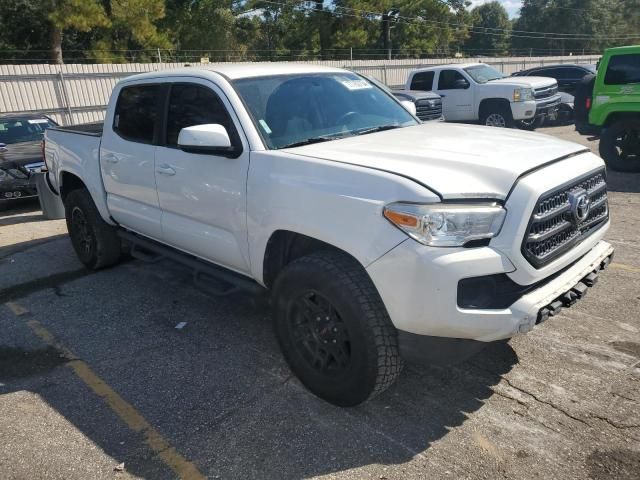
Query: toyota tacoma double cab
[(473, 92), (608, 105), (378, 237)]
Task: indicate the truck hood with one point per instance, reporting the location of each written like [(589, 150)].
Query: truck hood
[(453, 160), (533, 82)]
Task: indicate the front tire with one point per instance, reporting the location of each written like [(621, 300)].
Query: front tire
[(531, 124), (497, 116), (95, 242), (334, 330), (620, 146)]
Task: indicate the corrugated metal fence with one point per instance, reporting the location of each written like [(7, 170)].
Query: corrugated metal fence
[(77, 93)]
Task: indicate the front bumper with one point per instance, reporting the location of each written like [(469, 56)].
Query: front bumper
[(548, 106), (419, 287), (15, 189), (535, 108)]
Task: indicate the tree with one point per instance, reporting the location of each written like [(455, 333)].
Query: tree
[(574, 26), (78, 15), (133, 28), (489, 34)]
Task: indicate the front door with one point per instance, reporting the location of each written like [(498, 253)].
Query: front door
[(203, 196), (457, 99)]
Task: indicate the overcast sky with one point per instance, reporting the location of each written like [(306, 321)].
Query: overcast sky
[(512, 6)]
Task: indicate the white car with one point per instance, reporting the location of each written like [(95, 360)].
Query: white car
[(380, 238), (479, 92)]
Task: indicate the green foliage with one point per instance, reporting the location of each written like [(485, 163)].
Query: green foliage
[(134, 30), (595, 21), (490, 33), (79, 15)]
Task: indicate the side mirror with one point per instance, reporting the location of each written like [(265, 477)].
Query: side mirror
[(208, 138), (409, 105), (460, 84)]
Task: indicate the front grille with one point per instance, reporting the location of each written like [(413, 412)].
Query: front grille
[(555, 226), (545, 92), (429, 109)]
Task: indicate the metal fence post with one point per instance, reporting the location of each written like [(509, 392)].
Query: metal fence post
[(65, 96), (384, 73)]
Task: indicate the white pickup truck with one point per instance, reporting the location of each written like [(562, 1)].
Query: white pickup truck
[(378, 237), (478, 92)]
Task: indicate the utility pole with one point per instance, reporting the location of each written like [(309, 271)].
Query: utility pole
[(387, 18)]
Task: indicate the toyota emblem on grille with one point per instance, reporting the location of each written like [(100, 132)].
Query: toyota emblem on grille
[(580, 204)]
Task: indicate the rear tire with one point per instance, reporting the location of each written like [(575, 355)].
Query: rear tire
[(497, 115), (334, 330), (620, 146), (95, 242)]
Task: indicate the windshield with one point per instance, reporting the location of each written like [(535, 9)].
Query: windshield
[(483, 73), (16, 130), (292, 110)]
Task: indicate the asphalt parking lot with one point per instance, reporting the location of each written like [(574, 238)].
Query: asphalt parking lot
[(97, 381)]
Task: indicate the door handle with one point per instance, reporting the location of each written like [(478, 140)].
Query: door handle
[(111, 158), (166, 170)]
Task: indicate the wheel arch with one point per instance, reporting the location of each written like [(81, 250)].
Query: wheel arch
[(487, 103), (618, 116), (285, 246), (69, 182)]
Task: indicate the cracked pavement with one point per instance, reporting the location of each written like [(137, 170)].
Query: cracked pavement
[(560, 402)]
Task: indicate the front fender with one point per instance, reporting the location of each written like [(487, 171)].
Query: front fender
[(336, 203)]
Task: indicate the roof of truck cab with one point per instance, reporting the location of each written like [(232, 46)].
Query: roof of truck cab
[(625, 49), (450, 65), (235, 71)]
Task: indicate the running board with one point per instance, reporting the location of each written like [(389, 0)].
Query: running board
[(209, 278)]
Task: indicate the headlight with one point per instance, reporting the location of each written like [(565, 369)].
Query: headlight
[(522, 94), (446, 225)]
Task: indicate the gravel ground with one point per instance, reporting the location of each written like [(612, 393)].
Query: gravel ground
[(94, 374)]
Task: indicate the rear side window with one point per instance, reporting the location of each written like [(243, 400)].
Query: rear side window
[(190, 105), (623, 69), (422, 81), (137, 113), (556, 73), (448, 78)]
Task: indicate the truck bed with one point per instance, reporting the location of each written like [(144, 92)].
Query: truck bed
[(94, 129)]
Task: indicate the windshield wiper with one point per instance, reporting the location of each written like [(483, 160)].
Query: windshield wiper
[(310, 141), (381, 128)]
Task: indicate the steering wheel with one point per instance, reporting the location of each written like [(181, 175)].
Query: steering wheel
[(347, 118)]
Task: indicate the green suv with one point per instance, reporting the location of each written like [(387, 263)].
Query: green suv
[(608, 104)]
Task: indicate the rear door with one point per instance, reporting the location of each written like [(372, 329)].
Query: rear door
[(202, 195), (127, 158)]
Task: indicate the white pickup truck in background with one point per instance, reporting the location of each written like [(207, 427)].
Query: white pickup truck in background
[(479, 92), (378, 237)]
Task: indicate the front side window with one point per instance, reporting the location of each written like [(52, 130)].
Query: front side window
[(623, 69), (290, 110), (483, 73), (447, 79), (137, 112), (190, 105), (422, 81)]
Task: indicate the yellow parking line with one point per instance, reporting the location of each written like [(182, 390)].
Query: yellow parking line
[(127, 412), (18, 310), (628, 268)]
